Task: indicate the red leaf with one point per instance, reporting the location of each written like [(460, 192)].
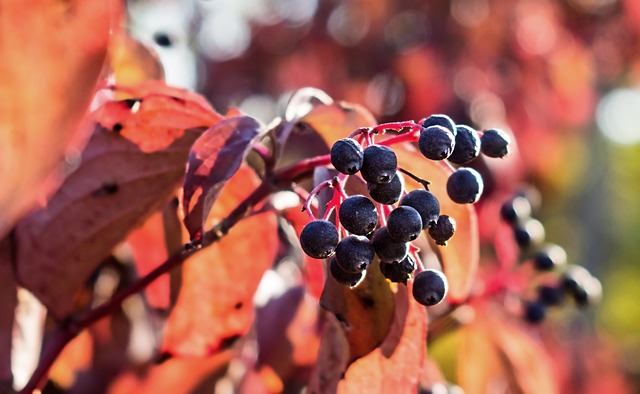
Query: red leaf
[(52, 55), (114, 188), (180, 375), (494, 351), (218, 283), (288, 336), (365, 311), (525, 358), (213, 159), (461, 255)]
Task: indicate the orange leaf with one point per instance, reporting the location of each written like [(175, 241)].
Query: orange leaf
[(52, 55), (461, 255), (154, 120), (397, 364), (114, 188), (132, 62), (312, 268), (148, 248), (365, 311), (338, 120), (218, 283)]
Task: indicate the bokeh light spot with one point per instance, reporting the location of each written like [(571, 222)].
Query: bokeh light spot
[(348, 25), (618, 116)]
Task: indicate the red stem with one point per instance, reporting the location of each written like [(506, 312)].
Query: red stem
[(281, 179)]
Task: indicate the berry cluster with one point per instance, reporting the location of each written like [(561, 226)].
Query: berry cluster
[(559, 280), (385, 223)]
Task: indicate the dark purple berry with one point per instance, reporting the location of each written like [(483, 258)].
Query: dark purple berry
[(467, 145), (515, 209), (354, 253), (404, 224), (534, 312), (443, 230), (494, 143), (398, 272), (436, 143), (549, 257), (550, 295), (347, 156), (440, 120), (379, 165), (319, 239), (426, 203), (387, 193), (386, 248), (429, 287), (358, 215), (465, 186), (529, 233), (581, 286), (343, 277)]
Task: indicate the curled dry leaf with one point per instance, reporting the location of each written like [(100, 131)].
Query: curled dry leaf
[(461, 255), (213, 160), (215, 304), (115, 186), (365, 311), (51, 61)]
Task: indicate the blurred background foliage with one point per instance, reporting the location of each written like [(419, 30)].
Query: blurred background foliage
[(562, 76)]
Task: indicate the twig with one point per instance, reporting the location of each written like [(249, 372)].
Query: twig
[(74, 325)]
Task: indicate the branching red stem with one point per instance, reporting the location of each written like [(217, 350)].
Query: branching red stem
[(279, 180)]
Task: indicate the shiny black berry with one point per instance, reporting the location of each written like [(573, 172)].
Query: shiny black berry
[(440, 120), (436, 142), (443, 230), (343, 277), (319, 239), (387, 248), (549, 257), (347, 156), (467, 145), (426, 203), (465, 186), (494, 143), (387, 193), (404, 224), (379, 164), (398, 272), (354, 253), (358, 215), (429, 287), (581, 285)]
